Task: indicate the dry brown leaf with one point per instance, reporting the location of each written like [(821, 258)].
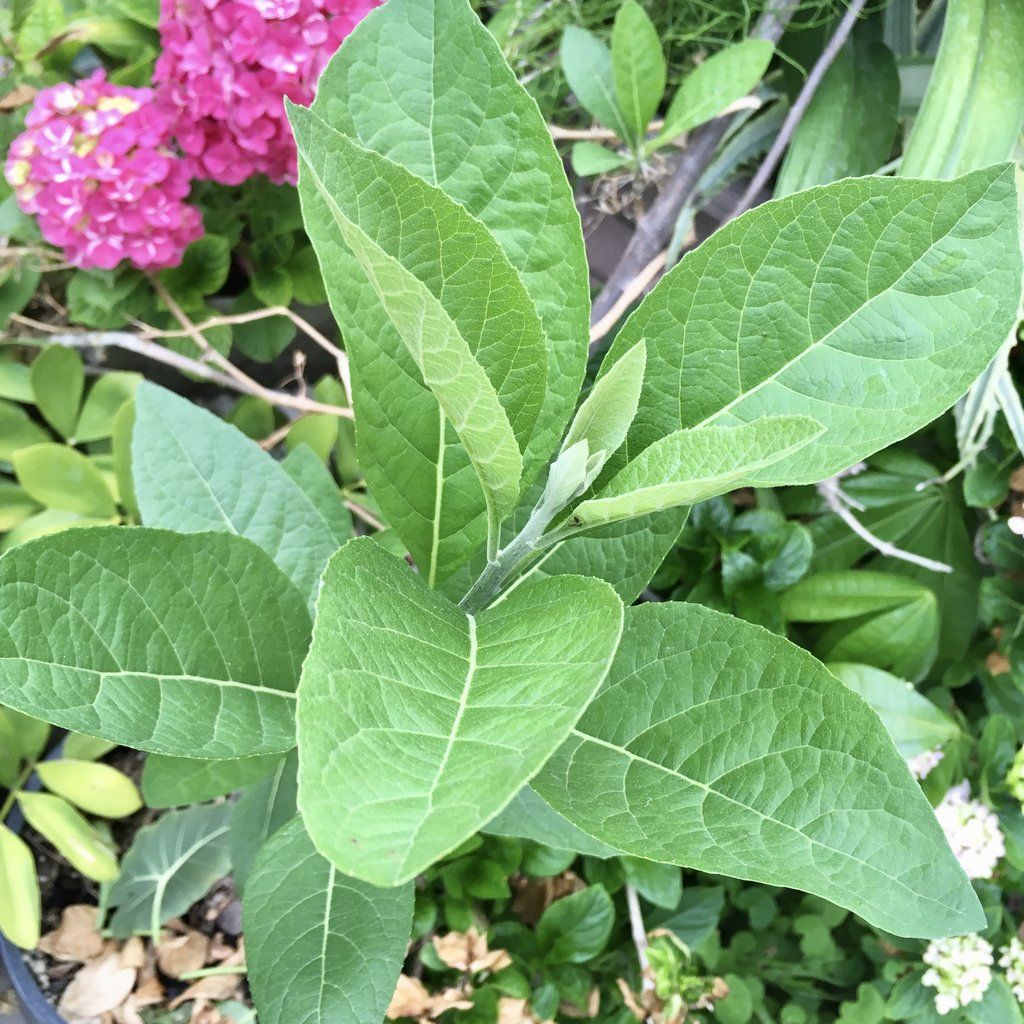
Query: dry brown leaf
[(206, 1013), (76, 939), (98, 988), (592, 1008), (133, 953), (468, 952), (179, 954), (213, 986), (1017, 480), (411, 999), (449, 999), (18, 96), (998, 664), (516, 1011), (534, 895)]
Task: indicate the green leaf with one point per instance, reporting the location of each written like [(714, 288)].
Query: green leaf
[(96, 298), (202, 271), (836, 596), (400, 765), (320, 947), (28, 735), (176, 781), (689, 466), (193, 473), (587, 64), (998, 1005), (15, 381), (604, 417), (448, 292), (697, 917), (660, 884), (259, 812), (576, 928), (58, 379), (105, 400), (844, 303), (132, 635), (720, 746), (318, 432), (310, 473), (638, 67), (82, 845), (528, 816), (721, 80), (85, 748), (19, 891), (590, 158), (849, 128), (426, 85), (17, 431), (16, 290), (169, 866), (60, 477), (914, 722), (95, 787)]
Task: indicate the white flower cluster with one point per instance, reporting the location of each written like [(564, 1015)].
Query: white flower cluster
[(959, 969), (1012, 961), (921, 765), (972, 831)]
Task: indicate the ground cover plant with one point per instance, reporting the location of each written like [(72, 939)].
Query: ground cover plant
[(695, 617)]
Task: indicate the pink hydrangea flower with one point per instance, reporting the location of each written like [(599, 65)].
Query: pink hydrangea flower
[(95, 167), (226, 67)]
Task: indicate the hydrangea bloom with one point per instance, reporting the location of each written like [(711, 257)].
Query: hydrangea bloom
[(1012, 961), (972, 830), (94, 166), (226, 67), (921, 765), (959, 969)]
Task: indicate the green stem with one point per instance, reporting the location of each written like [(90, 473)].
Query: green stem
[(15, 790), (209, 972)]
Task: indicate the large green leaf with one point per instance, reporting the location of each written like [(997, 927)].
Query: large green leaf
[(176, 781), (869, 305), (180, 644), (321, 948), (169, 866), (850, 125), (418, 723), (688, 466), (720, 746), (427, 86), (457, 304), (193, 472)]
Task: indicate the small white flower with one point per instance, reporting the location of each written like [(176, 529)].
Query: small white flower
[(921, 765), (1012, 961), (972, 830), (959, 969)]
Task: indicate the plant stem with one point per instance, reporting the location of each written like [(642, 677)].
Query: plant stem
[(15, 790), (639, 932)]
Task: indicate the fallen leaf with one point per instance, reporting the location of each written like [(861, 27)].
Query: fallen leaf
[(213, 986), (534, 895), (1017, 479), (18, 96), (468, 952), (98, 988), (411, 999), (179, 954), (516, 1011), (133, 953), (998, 664), (76, 938)]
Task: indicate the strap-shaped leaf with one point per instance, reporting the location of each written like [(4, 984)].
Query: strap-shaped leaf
[(869, 305), (723, 747), (588, 68), (458, 306), (321, 948), (426, 85), (418, 723), (691, 465), (187, 644), (638, 67), (195, 473)]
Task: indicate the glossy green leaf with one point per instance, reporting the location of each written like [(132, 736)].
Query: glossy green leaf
[(104, 401), (716, 83), (587, 64), (403, 757), (43, 524), (61, 477), (263, 808), (58, 380), (19, 891), (94, 787), (122, 633), (448, 293), (170, 864), (717, 745), (15, 381), (176, 781), (85, 748), (589, 158), (77, 841), (915, 724), (849, 128), (314, 478), (426, 85), (576, 928), (320, 947), (836, 596), (689, 466), (845, 303), (17, 431), (15, 505), (28, 735), (638, 67), (193, 472)]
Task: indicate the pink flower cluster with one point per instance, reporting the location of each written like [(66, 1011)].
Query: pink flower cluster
[(226, 67), (95, 167)]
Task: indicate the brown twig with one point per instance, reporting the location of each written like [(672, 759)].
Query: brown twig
[(655, 228), (365, 515), (631, 293), (800, 105)]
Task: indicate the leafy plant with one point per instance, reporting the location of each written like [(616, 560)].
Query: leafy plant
[(622, 88), (799, 339)]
